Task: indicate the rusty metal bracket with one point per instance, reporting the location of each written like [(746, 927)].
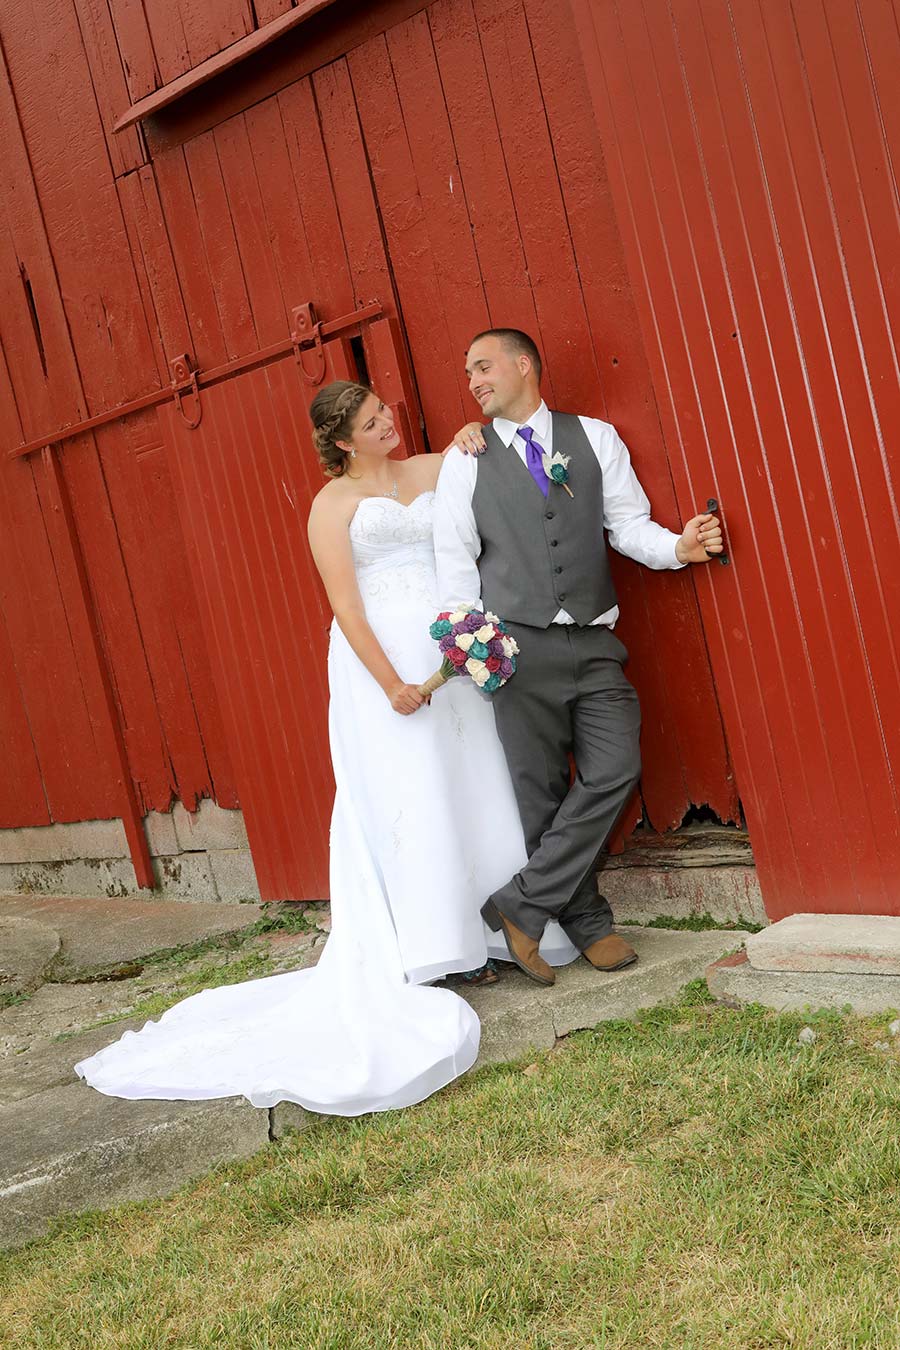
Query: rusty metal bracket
[(184, 385), (306, 335)]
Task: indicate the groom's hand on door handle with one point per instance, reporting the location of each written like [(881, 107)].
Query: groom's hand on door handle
[(701, 539)]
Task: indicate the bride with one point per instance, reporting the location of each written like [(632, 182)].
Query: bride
[(425, 826)]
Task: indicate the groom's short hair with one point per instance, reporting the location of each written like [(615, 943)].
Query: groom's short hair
[(516, 343)]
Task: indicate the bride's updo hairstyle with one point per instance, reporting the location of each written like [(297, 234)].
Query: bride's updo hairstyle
[(333, 412)]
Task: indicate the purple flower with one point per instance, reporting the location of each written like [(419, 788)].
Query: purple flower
[(446, 642), (506, 667), (496, 647), (460, 627), (473, 622)]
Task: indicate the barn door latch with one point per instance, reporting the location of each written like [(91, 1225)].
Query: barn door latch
[(184, 386), (306, 337)]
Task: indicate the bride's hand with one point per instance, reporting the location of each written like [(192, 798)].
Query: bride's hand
[(406, 699), (469, 439)]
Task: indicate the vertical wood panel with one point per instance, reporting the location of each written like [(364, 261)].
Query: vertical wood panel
[(748, 156), (246, 484)]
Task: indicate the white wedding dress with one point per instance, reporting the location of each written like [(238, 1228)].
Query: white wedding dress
[(424, 828)]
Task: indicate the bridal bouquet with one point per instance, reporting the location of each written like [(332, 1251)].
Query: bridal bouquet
[(473, 643)]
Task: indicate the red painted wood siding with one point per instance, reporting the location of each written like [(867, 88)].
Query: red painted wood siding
[(399, 174), (751, 152), (79, 334), (496, 210)]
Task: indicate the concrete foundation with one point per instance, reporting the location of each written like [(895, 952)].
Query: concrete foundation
[(202, 856)]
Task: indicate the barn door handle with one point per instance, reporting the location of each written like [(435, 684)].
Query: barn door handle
[(306, 336), (713, 505), (184, 385)]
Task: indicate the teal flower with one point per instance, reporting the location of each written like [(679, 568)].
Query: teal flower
[(440, 628), (491, 683), (559, 473), (479, 651)]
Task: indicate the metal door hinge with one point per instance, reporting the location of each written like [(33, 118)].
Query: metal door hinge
[(184, 385), (306, 336)]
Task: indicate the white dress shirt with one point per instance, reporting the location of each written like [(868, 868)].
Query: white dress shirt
[(626, 510)]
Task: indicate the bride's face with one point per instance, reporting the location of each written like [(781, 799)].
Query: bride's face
[(374, 433)]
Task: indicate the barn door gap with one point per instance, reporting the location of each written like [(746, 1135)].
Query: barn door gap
[(359, 357), (33, 314)]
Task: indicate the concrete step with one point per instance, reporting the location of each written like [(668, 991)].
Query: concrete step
[(94, 937), (735, 981), (850, 944), (68, 1148)]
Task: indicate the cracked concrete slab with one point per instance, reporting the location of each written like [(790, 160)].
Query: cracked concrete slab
[(97, 936), (71, 1149), (27, 950), (68, 1148)]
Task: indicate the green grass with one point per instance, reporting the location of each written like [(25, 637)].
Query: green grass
[(695, 1181), (692, 923)]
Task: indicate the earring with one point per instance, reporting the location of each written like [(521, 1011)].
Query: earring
[(353, 454)]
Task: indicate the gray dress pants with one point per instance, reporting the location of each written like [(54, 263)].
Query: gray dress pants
[(569, 694)]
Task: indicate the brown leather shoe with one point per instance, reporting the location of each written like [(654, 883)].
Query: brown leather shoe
[(522, 948), (610, 953)]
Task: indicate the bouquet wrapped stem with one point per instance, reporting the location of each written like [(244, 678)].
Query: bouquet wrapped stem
[(446, 672)]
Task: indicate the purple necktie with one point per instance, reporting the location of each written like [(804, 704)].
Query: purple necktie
[(534, 459)]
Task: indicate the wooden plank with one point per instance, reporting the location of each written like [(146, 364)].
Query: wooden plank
[(267, 10), (103, 312), (134, 40), (146, 519), (22, 800), (332, 285), (176, 649), (612, 64), (111, 728), (282, 215), (437, 172), (41, 621), (33, 327), (454, 28), (83, 470), (686, 758), (126, 150), (220, 247), (179, 220), (262, 609), (280, 66), (246, 208)]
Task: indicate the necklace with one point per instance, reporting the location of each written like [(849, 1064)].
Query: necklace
[(394, 492)]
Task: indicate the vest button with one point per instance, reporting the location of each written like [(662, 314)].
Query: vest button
[(549, 515), (553, 543), (561, 596), (557, 569)]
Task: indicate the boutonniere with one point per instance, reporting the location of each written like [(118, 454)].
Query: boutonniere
[(556, 467)]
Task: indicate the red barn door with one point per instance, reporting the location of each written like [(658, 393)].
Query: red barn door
[(752, 155)]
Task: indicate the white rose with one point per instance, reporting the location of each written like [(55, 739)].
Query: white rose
[(457, 616), (484, 634), (481, 676), (491, 618), (475, 667), (509, 647), (465, 641)]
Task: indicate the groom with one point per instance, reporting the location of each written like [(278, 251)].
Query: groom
[(533, 549)]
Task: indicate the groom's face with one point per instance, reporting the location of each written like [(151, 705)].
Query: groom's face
[(496, 378)]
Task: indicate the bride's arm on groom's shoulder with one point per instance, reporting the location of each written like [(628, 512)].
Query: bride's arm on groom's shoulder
[(329, 540), (469, 439)]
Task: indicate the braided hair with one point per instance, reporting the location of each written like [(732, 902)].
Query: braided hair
[(333, 412)]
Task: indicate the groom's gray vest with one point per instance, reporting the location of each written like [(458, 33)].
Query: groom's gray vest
[(542, 554)]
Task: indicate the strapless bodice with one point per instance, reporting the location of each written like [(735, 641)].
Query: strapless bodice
[(393, 549)]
